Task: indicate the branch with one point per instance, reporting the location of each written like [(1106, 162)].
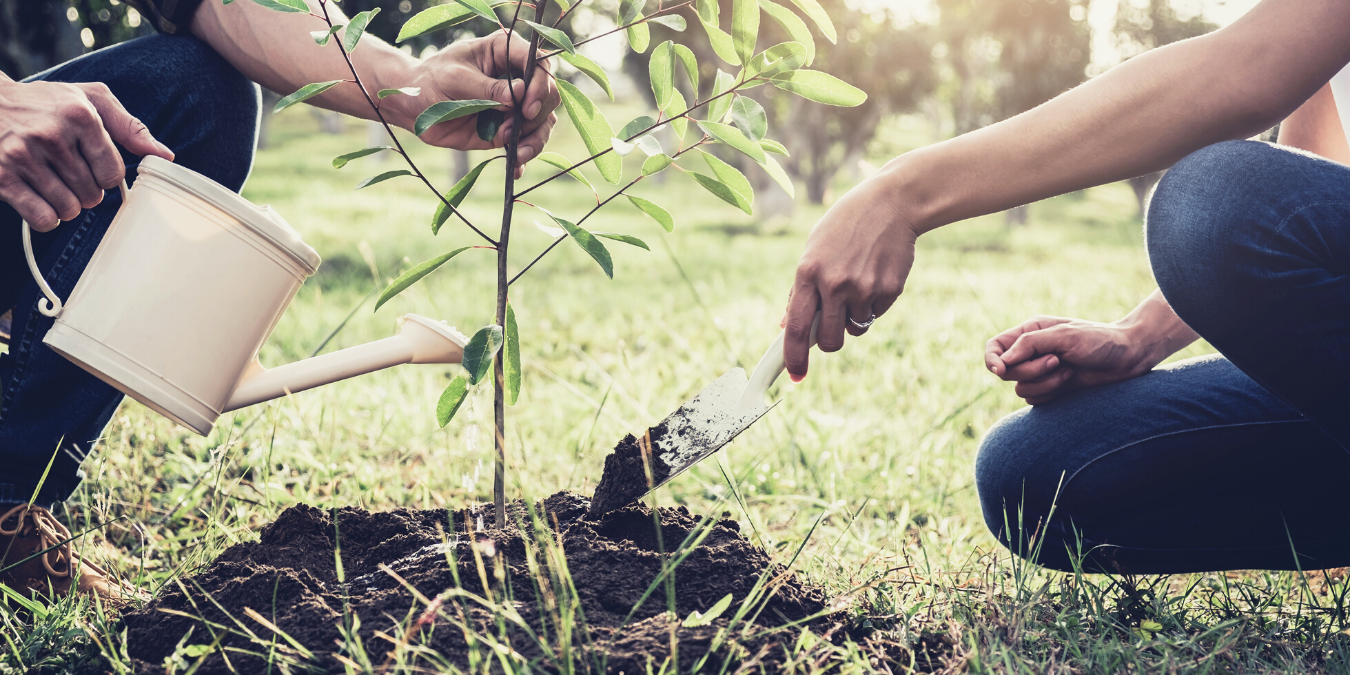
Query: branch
[(390, 130), (623, 27), (621, 190), (651, 128)]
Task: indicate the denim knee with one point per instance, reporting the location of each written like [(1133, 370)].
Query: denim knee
[(1000, 473)]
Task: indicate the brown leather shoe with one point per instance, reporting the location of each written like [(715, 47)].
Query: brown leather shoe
[(38, 560)]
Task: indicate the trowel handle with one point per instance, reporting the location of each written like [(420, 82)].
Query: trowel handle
[(771, 365), (50, 305)]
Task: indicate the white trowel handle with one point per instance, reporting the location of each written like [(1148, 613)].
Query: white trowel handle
[(770, 366)]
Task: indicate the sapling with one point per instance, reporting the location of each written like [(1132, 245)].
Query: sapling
[(720, 113)]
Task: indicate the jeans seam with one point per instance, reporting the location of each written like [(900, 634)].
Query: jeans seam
[(1132, 444)]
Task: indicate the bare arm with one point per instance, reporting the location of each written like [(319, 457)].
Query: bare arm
[(1139, 117), (275, 50)]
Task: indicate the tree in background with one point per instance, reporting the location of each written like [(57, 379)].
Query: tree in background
[(1141, 26), (38, 34)]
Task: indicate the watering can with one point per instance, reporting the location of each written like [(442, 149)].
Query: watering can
[(183, 291)]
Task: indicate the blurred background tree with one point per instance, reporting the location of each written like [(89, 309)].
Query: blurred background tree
[(967, 63)]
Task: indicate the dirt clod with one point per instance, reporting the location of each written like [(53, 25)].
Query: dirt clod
[(289, 579), (625, 478)]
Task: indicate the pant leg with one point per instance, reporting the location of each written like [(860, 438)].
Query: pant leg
[(1250, 243), (193, 101), (1192, 467)]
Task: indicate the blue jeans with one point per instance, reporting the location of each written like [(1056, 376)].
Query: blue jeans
[(1236, 461), (207, 113)]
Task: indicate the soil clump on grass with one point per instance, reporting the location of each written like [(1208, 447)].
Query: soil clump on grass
[(283, 597)]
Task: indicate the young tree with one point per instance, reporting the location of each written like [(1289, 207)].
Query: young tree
[(719, 114)]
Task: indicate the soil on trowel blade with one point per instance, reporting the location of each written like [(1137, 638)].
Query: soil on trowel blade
[(625, 478), (289, 579)]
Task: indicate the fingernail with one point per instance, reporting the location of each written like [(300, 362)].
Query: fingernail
[(797, 379), (533, 110), (1053, 361), (524, 154)]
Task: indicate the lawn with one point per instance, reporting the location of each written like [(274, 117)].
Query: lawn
[(869, 461)]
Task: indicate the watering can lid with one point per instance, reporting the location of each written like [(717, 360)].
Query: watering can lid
[(261, 219)]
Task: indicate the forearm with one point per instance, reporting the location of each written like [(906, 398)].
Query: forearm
[(1156, 332), (275, 50), (1316, 128), (1139, 117)]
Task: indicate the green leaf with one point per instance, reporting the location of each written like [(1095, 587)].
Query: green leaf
[(677, 107), (720, 189), (321, 36), (630, 11), (748, 116), (356, 28), (435, 18), (655, 164), (481, 8), (487, 124), (627, 239), (594, 129), (383, 177), (820, 87), (728, 175), (621, 146), (718, 108), (674, 22), (341, 160), (744, 27), (588, 243), (816, 13), (660, 215), (480, 350), (406, 91), (725, 133), (780, 176), (708, 11), (285, 5), (451, 399), (415, 275), (639, 36), (661, 67), (776, 59), (792, 25), (562, 164), (773, 146), (722, 44), (511, 364), (303, 93), (636, 126), (555, 36), (449, 110), (456, 196), (592, 70), (697, 618), (690, 63)]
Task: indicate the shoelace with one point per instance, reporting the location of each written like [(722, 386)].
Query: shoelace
[(51, 535)]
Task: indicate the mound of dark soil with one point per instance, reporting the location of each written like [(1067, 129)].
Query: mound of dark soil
[(289, 578)]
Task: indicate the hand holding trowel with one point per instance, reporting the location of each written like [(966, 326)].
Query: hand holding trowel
[(700, 427)]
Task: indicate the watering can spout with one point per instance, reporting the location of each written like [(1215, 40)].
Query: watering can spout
[(421, 341)]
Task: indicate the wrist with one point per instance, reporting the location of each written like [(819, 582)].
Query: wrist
[(902, 183), (392, 69)]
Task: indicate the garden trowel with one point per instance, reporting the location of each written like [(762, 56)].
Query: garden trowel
[(700, 427)]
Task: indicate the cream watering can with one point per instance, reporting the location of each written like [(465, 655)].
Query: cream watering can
[(184, 290)]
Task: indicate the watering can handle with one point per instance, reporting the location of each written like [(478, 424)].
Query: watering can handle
[(50, 305)]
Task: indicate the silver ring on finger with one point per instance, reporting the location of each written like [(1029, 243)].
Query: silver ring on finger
[(863, 324)]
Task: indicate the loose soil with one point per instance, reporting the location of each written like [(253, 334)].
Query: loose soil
[(290, 578), (625, 479)]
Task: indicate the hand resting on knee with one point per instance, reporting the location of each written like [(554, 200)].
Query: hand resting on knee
[(1047, 356)]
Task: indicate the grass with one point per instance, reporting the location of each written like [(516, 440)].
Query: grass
[(862, 476)]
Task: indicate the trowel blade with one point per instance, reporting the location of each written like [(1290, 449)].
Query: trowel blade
[(705, 423)]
